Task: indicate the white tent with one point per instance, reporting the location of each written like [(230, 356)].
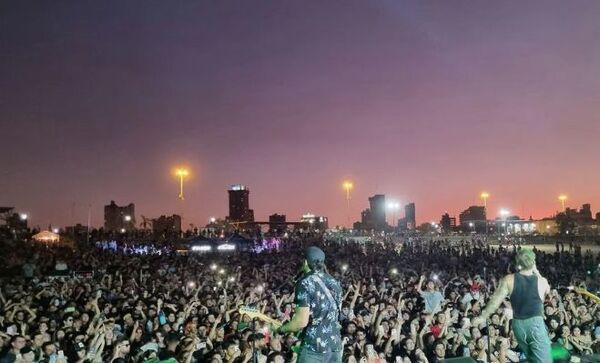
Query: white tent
[(46, 236)]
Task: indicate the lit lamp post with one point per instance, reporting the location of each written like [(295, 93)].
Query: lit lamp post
[(181, 173), (504, 213), (562, 199), (348, 187), (485, 196)]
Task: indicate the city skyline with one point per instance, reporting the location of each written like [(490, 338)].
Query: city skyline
[(431, 103)]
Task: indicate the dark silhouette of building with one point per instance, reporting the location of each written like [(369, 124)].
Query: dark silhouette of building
[(598, 217), (167, 225), (277, 222), (239, 204), (77, 231), (447, 223), (377, 207), (410, 216), (473, 214), (366, 220), (119, 219)]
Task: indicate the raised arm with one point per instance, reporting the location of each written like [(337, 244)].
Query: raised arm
[(499, 295)]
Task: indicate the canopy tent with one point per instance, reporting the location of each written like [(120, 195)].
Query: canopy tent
[(46, 236)]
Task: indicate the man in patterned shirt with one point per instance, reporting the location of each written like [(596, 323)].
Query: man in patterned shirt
[(318, 299)]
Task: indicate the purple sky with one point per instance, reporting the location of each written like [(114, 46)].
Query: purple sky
[(425, 102)]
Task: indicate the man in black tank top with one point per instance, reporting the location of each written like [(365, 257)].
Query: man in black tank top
[(526, 290)]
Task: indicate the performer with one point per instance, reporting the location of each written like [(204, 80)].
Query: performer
[(318, 300), (527, 290)]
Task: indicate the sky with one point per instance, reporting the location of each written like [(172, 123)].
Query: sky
[(426, 102)]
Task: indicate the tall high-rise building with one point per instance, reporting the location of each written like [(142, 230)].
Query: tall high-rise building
[(377, 207), (119, 219), (239, 204), (410, 216)]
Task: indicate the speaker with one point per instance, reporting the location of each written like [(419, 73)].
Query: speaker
[(459, 360)]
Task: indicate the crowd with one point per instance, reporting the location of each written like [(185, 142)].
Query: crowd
[(402, 303)]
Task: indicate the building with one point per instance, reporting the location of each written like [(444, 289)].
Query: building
[(119, 219), (473, 219), (447, 223), (277, 222), (377, 208), (239, 204), (314, 222), (77, 231), (410, 216), (167, 225)]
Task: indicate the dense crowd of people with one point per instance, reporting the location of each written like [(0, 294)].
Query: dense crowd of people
[(409, 302)]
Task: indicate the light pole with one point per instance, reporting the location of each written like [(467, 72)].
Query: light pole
[(562, 199), (348, 187), (504, 213), (485, 196), (181, 173)]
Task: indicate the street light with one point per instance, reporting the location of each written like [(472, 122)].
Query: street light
[(471, 224), (181, 173), (348, 185), (127, 218), (562, 199), (485, 196), (212, 219), (23, 216), (504, 213)]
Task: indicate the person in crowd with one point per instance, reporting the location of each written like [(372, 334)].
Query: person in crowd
[(399, 300)]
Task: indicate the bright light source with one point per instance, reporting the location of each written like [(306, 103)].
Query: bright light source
[(201, 248), (127, 218), (226, 247), (221, 271), (285, 235), (122, 230), (260, 288), (219, 283), (24, 216), (471, 224), (213, 267), (181, 172), (232, 279), (394, 271), (191, 284), (344, 267), (212, 219), (504, 212), (435, 277)]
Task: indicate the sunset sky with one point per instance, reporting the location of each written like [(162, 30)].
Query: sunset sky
[(426, 102)]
